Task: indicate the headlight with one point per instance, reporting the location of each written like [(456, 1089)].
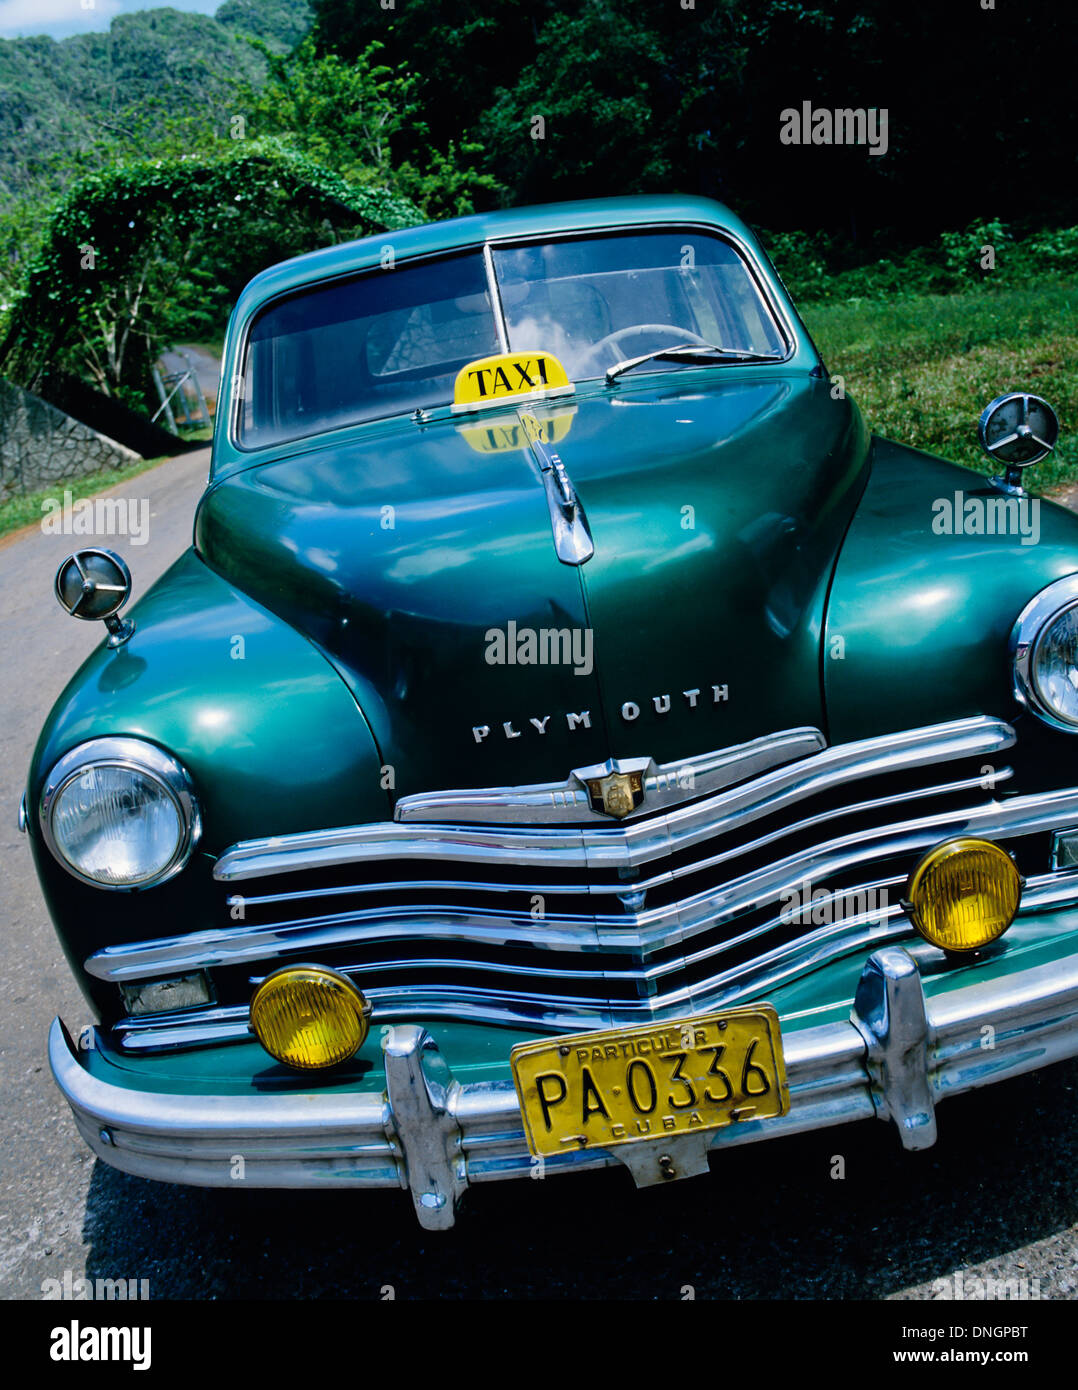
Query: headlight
[(1045, 648), (120, 813)]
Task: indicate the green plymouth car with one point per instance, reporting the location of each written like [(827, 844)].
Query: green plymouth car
[(571, 740)]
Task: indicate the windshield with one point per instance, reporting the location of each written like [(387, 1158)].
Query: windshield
[(391, 341), (592, 303)]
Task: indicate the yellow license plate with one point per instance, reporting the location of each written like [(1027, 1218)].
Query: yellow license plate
[(628, 1085)]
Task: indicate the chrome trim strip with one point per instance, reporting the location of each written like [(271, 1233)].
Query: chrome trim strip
[(152, 1032), (641, 930), (561, 802), (500, 1005), (494, 291), (625, 845), (454, 1136), (593, 890), (1018, 816), (22, 814), (607, 890), (796, 827)]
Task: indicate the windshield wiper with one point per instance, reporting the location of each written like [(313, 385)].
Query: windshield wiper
[(690, 352)]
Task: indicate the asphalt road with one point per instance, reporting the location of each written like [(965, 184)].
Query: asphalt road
[(997, 1197)]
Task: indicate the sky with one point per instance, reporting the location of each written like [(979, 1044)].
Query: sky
[(59, 18)]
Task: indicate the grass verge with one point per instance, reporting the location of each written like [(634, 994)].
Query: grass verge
[(923, 369)]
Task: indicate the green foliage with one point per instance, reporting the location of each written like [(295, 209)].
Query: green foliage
[(151, 252), (462, 50), (628, 92), (963, 251), (592, 86), (343, 115), (67, 108), (20, 227), (355, 117), (801, 258), (640, 95), (818, 268), (159, 82), (280, 24), (1054, 251), (448, 184)]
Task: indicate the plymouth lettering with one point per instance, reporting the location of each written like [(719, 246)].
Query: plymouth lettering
[(581, 719)]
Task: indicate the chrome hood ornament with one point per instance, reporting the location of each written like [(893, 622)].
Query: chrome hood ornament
[(572, 534)]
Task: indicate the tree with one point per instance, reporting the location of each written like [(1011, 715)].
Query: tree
[(462, 50), (589, 114), (342, 115), (142, 254), (356, 117)]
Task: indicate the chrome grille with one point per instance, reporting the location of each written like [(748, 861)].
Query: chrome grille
[(570, 927)]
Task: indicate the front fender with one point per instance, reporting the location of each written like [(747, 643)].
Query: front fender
[(919, 621), (270, 734)]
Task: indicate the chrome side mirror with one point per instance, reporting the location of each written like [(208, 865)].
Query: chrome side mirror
[(1017, 430), (94, 585)]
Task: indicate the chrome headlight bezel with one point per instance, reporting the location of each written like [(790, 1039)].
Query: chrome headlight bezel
[(134, 755), (1033, 623)]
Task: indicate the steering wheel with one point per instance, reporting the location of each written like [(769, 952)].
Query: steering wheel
[(681, 335)]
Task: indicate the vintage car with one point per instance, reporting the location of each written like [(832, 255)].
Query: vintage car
[(572, 740)]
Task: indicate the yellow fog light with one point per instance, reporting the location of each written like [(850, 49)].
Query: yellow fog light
[(309, 1017), (963, 894)]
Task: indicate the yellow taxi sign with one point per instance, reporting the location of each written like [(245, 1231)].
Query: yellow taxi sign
[(491, 380), (509, 433)]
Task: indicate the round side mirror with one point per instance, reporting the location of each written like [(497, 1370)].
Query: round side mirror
[(94, 585), (1018, 430)]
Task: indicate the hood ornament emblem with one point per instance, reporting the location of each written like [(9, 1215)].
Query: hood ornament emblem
[(580, 798), (617, 793)]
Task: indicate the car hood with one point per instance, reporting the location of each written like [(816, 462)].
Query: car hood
[(420, 558)]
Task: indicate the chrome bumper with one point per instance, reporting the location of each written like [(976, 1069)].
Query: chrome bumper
[(895, 1058)]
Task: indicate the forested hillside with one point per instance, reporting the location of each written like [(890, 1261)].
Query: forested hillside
[(72, 104), (279, 23)]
